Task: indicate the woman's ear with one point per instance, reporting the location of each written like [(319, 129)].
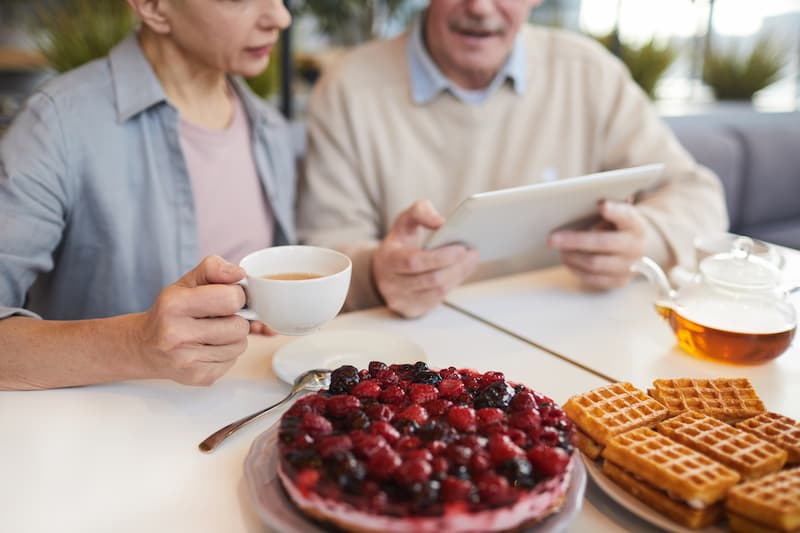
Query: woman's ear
[(152, 13)]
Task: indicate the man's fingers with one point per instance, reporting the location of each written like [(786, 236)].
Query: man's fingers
[(468, 266), (417, 304), (603, 242), (597, 279), (451, 278), (420, 214), (415, 261), (624, 216), (613, 265), (413, 296), (212, 269), (445, 279)]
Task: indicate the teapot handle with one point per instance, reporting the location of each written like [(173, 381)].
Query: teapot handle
[(655, 275)]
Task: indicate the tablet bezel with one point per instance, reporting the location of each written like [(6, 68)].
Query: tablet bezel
[(474, 222)]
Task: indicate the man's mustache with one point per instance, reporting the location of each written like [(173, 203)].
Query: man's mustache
[(471, 25)]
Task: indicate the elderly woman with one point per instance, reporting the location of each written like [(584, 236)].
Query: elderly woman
[(118, 177)]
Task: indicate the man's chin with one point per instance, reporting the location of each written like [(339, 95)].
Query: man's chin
[(479, 66)]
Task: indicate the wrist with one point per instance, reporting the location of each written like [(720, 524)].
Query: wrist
[(129, 344)]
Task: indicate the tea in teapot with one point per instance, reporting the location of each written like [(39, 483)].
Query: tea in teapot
[(704, 331), (732, 310)]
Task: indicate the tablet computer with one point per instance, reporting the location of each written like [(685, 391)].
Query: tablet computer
[(518, 221)]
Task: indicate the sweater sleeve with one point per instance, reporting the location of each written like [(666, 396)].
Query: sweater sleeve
[(336, 208), (690, 199)]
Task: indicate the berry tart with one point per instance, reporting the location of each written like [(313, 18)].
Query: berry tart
[(406, 448)]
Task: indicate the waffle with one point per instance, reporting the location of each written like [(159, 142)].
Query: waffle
[(607, 411), (685, 474), (779, 430), (740, 524), (729, 400), (742, 451), (771, 502), (585, 444), (658, 500)]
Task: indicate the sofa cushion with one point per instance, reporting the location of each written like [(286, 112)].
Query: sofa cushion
[(783, 232), (717, 147), (772, 189)]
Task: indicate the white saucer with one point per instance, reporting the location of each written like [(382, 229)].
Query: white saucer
[(331, 349)]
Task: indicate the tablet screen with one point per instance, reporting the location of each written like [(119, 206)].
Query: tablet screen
[(516, 221)]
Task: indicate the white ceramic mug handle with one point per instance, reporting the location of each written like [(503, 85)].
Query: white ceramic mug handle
[(245, 312)]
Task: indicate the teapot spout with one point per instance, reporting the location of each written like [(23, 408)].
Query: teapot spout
[(650, 270)]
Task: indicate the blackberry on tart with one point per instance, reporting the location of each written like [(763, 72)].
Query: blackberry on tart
[(405, 448)]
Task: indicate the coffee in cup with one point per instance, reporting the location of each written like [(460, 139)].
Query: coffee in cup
[(292, 276), (295, 289)]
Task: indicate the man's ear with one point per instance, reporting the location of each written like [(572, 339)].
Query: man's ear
[(152, 14)]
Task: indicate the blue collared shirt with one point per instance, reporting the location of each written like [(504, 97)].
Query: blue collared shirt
[(427, 81), (96, 208)]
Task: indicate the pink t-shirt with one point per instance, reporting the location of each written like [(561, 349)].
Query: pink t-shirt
[(233, 215)]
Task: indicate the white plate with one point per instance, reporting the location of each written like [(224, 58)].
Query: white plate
[(640, 509), (331, 349), (279, 513)]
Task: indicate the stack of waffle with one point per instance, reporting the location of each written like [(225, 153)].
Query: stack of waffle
[(602, 413), (769, 504), (678, 452)]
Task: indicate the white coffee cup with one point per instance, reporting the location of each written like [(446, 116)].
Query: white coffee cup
[(295, 306)]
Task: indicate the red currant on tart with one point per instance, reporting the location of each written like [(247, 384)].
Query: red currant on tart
[(407, 448)]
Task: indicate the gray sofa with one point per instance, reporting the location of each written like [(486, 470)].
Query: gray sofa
[(757, 156)]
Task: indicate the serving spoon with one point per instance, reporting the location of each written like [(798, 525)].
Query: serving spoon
[(312, 380)]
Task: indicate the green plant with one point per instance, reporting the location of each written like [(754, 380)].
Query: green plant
[(646, 63), (736, 76), (73, 32), (267, 83), (353, 21)]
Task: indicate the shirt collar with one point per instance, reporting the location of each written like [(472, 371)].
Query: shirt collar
[(427, 81), (136, 86)]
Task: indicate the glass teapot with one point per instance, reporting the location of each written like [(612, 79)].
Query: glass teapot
[(733, 309)]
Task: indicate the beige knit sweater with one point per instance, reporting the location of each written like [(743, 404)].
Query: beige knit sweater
[(372, 151)]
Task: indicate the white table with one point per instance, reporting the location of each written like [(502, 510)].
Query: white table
[(618, 333), (124, 458)]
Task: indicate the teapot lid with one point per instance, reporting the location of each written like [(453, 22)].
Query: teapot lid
[(740, 269)]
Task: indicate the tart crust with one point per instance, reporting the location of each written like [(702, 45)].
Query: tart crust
[(499, 520)]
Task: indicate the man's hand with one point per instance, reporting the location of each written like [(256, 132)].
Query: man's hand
[(602, 257), (412, 281), (191, 334)]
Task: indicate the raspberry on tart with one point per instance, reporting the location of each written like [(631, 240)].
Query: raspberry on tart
[(396, 448)]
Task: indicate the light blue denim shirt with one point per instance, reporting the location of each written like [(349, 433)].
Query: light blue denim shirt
[(96, 207), (427, 81)]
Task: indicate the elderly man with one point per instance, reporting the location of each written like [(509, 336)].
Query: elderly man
[(473, 99), (118, 178)]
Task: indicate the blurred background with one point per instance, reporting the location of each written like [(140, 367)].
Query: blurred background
[(691, 56)]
